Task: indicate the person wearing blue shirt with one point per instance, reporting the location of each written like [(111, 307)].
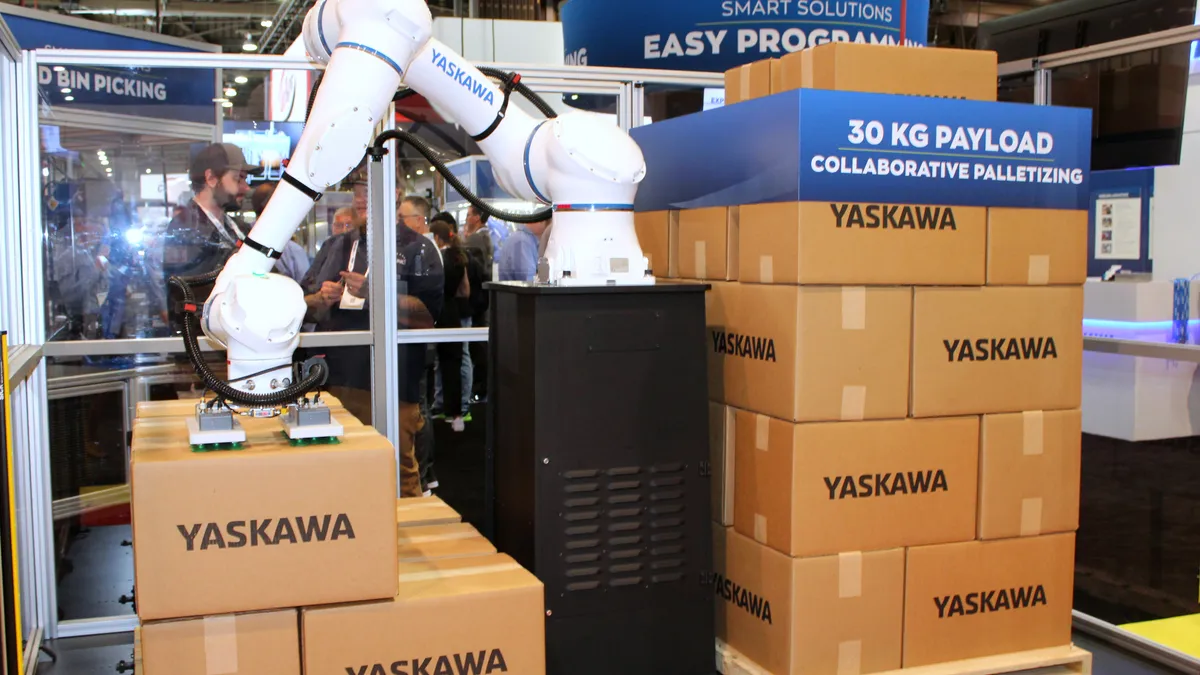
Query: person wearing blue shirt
[(519, 256)]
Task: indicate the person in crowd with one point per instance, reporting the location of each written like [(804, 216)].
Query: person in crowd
[(478, 236), (519, 255), (294, 261), (203, 235), (336, 289), (343, 221), (456, 310)]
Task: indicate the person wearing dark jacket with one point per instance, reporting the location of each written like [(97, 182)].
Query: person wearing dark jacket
[(336, 289), (202, 235), (455, 308)]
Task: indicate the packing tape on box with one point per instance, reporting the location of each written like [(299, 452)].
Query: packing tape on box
[(1031, 516), (850, 574), (854, 308), (425, 539), (766, 269), (762, 431), (701, 260), (849, 657), (806, 69), (744, 83), (1039, 270), (854, 403), (220, 645), (432, 575), (1033, 431), (760, 528)]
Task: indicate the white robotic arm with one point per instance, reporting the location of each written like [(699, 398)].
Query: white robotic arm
[(580, 164)]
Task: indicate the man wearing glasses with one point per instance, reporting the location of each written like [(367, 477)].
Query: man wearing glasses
[(203, 233)]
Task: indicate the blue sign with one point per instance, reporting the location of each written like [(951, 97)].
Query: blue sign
[(182, 94), (716, 35), (818, 145)]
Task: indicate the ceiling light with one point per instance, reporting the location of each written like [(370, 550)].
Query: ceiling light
[(45, 172), (104, 162), (431, 169), (266, 23), (220, 100), (149, 171), (249, 46), (66, 90), (231, 92), (574, 97), (420, 172), (227, 104), (59, 69), (68, 98), (410, 176), (241, 79)]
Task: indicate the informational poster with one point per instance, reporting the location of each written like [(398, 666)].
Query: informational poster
[(1118, 226)]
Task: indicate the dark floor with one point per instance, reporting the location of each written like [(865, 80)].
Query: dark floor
[(101, 655)]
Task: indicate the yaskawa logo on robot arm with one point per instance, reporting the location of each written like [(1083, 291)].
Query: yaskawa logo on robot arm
[(464, 79)]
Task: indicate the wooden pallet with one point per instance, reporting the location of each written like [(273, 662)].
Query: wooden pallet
[(1069, 660)]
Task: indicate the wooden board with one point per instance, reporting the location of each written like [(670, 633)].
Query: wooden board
[(1069, 660)]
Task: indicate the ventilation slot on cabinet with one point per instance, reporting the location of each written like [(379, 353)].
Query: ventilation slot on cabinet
[(624, 526)]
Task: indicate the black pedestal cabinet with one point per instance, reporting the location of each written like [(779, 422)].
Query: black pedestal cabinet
[(599, 470)]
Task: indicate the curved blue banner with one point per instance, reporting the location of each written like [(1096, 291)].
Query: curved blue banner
[(812, 145), (716, 35)]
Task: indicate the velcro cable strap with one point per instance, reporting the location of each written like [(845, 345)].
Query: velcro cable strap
[(265, 250), (509, 82), (295, 182)]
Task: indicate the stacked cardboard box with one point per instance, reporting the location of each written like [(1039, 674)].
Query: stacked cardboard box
[(895, 387), (284, 559)]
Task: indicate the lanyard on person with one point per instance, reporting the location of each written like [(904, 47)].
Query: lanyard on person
[(350, 301)]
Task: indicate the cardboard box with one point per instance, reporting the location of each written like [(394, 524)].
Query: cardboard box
[(1036, 247), (1029, 474), (455, 540), (262, 528), (233, 644), (431, 510), (996, 349), (885, 69), (463, 615), (825, 488), (748, 81), (988, 597), (718, 305), (707, 245), (832, 614), (720, 450), (720, 616), (654, 235), (870, 244), (814, 354)]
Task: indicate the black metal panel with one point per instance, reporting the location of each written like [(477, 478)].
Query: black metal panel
[(609, 436)]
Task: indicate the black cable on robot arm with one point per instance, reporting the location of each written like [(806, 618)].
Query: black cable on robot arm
[(315, 378), (428, 153)]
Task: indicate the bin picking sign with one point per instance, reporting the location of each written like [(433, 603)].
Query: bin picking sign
[(715, 35), (170, 93)]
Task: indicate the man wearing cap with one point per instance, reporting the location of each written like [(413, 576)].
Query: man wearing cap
[(203, 235)]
